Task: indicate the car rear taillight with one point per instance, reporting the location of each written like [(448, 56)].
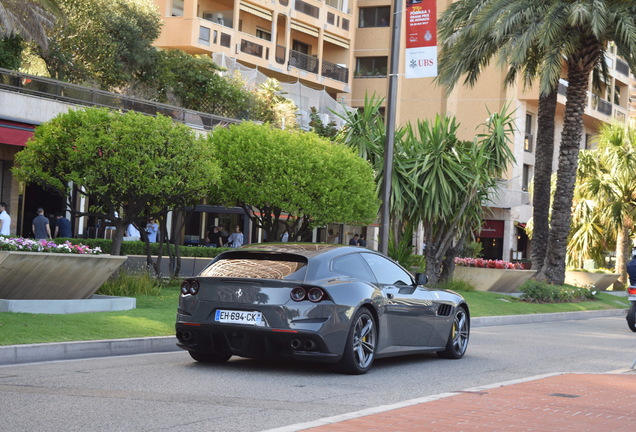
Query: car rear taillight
[(189, 287), (631, 290), (313, 294), (298, 294)]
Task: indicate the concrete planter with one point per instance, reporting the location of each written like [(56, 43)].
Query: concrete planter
[(496, 280), (600, 281), (44, 276)]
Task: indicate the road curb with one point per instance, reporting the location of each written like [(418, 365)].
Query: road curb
[(36, 353), (544, 317)]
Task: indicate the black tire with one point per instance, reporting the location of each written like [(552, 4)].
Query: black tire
[(458, 336), (631, 318), (361, 344), (209, 357)]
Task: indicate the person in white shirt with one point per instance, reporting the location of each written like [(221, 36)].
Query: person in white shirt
[(5, 220)]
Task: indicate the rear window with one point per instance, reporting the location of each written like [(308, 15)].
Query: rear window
[(253, 266)]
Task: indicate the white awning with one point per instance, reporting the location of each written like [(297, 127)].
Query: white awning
[(256, 10)]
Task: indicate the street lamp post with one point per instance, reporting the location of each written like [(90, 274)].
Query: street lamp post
[(385, 221)]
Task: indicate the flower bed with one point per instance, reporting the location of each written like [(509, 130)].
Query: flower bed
[(482, 263), (28, 245), (491, 275), (40, 270)]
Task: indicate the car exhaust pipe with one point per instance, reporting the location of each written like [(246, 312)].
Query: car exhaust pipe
[(186, 336), (309, 345), (295, 344)]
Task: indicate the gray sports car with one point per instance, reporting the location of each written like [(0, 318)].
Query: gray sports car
[(326, 303)]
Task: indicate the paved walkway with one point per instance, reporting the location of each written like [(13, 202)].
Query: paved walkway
[(560, 403)]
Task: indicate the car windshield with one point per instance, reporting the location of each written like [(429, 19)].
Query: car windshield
[(256, 266)]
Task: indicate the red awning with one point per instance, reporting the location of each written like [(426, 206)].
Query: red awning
[(492, 229), (14, 133)]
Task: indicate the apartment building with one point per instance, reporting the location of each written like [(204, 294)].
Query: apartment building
[(305, 42), (342, 47)]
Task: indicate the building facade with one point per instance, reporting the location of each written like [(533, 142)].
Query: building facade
[(343, 46)]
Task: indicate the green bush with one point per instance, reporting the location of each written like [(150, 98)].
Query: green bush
[(131, 284), (457, 285), (540, 292), (472, 250), (139, 247)]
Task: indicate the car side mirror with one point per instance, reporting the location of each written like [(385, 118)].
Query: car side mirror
[(421, 278)]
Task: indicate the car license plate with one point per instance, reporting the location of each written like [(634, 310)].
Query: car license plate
[(238, 317)]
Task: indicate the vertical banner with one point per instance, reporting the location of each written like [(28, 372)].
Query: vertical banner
[(421, 38)]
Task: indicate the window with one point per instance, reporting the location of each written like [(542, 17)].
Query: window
[(177, 7), (528, 138), (256, 266), (525, 179), (300, 47), (387, 272), (617, 95), (338, 4), (374, 17), (204, 35), (307, 9), (371, 67), (353, 265), (263, 34)]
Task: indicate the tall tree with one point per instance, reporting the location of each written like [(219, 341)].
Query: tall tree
[(470, 39), (104, 42), (607, 185), (130, 166), (290, 180), (29, 18), (571, 32)]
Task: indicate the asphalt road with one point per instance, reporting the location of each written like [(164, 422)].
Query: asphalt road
[(170, 392)]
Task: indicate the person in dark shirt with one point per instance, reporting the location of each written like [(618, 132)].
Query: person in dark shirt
[(62, 226), (40, 226), (354, 240), (215, 236), (362, 241)]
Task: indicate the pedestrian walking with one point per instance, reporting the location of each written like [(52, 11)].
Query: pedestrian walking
[(41, 227)]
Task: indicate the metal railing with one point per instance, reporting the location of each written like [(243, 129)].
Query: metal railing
[(601, 105), (57, 90), (303, 61), (334, 71), (622, 67)]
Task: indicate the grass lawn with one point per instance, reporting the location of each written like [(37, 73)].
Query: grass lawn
[(155, 316)]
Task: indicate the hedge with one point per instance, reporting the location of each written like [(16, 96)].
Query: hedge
[(139, 247)]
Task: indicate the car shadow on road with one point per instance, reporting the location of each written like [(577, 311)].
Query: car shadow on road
[(293, 367)]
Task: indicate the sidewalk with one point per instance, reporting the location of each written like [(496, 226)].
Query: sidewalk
[(558, 403)]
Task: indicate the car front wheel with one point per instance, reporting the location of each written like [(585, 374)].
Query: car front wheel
[(209, 357), (458, 337), (361, 343)]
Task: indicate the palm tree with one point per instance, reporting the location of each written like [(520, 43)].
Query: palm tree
[(549, 34), (468, 45), (28, 18), (606, 176)]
